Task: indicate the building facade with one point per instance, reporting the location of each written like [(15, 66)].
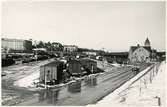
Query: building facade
[(140, 53), (14, 44), (70, 48), (90, 53)]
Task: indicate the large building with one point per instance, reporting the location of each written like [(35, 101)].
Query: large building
[(14, 44), (70, 48), (141, 53), (90, 53)]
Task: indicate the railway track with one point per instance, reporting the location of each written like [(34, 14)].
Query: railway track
[(106, 83)]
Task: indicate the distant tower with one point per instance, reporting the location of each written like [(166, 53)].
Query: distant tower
[(147, 42)]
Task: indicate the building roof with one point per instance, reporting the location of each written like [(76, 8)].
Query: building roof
[(117, 53), (70, 46), (147, 48), (147, 42), (54, 63), (161, 53), (133, 48), (11, 39)]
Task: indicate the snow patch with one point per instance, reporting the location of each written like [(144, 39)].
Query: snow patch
[(28, 80)]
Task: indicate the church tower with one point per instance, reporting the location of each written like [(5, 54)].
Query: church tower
[(147, 42)]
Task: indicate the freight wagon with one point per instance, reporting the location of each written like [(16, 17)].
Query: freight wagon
[(51, 73), (89, 64), (74, 67), (7, 62), (82, 67)]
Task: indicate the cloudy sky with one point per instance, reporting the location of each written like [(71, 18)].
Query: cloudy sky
[(114, 26)]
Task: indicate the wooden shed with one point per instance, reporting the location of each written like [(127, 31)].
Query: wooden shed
[(75, 67), (51, 73), (89, 64)]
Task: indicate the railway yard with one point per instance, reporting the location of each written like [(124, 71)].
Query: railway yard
[(78, 92), (90, 53)]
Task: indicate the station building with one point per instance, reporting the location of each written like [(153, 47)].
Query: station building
[(141, 53)]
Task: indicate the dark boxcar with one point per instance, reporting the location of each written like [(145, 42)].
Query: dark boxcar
[(75, 67), (7, 62), (51, 73), (89, 64)]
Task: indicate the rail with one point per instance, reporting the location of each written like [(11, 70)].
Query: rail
[(143, 78)]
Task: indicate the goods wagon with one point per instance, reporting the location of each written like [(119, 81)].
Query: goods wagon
[(74, 67), (89, 64), (7, 62), (51, 73)]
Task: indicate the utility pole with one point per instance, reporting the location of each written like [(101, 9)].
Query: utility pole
[(36, 51), (92, 69)]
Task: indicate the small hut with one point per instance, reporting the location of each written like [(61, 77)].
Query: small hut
[(51, 73)]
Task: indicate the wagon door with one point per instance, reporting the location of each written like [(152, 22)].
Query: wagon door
[(54, 73)]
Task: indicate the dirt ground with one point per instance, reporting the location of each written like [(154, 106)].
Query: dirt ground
[(12, 95)]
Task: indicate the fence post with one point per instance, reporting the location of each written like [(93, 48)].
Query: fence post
[(153, 70), (140, 88), (145, 81), (157, 66), (159, 100)]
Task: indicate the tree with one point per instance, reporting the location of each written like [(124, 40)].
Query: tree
[(48, 46), (57, 46), (40, 45)]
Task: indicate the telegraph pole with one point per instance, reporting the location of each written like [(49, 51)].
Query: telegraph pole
[(36, 50)]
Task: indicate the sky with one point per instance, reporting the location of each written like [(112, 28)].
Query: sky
[(114, 26)]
